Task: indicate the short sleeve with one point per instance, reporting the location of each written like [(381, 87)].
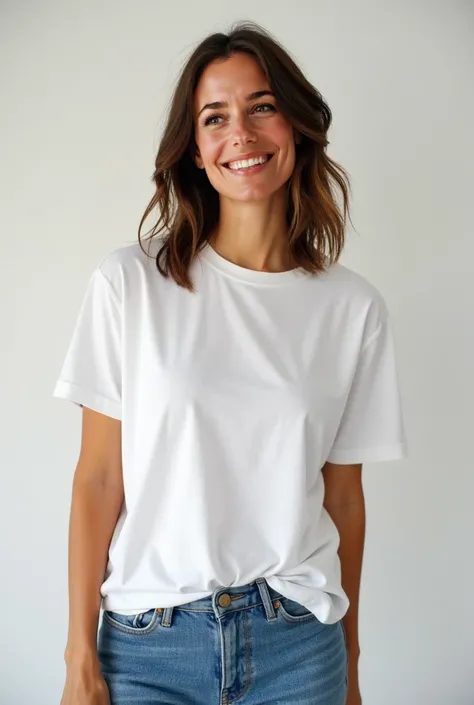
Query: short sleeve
[(91, 372), (371, 428)]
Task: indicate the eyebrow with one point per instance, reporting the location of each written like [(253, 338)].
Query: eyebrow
[(222, 104)]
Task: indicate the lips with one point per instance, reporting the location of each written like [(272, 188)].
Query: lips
[(247, 157)]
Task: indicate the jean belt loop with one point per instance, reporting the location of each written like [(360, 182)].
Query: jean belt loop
[(266, 599), (167, 617)]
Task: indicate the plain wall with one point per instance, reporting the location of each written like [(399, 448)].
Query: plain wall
[(84, 87)]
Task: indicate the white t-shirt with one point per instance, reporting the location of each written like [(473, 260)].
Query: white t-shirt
[(231, 400)]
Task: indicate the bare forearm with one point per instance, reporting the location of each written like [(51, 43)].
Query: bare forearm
[(94, 511), (350, 522)]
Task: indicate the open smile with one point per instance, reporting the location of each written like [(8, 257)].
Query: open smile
[(248, 166)]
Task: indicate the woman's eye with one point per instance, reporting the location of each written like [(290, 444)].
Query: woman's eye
[(264, 107), (259, 108), (212, 120)]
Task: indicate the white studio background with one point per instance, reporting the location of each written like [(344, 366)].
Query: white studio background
[(84, 86)]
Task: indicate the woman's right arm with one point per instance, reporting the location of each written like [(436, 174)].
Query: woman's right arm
[(97, 498)]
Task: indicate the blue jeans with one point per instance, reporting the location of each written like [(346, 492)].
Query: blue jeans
[(247, 644)]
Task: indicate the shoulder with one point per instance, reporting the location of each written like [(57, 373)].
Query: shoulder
[(347, 282), (356, 298), (125, 265)]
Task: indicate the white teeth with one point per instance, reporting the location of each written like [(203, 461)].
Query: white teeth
[(246, 163)]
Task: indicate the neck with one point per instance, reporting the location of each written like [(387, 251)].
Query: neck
[(253, 235)]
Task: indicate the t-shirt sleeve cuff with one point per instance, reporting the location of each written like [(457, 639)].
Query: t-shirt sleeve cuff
[(88, 398), (368, 455)]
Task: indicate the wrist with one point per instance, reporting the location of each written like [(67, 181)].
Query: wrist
[(353, 653), (81, 656)]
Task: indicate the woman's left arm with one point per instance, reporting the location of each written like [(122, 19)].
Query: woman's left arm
[(344, 501)]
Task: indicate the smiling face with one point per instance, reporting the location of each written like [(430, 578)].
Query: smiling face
[(244, 143)]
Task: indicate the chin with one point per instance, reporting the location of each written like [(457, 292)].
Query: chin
[(251, 194)]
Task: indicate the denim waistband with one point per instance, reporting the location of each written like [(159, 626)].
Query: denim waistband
[(229, 599)]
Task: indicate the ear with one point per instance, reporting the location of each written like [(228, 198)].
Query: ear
[(297, 136), (198, 159)]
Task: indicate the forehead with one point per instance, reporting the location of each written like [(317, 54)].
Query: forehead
[(239, 75)]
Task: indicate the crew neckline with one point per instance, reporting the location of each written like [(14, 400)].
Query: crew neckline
[(253, 276)]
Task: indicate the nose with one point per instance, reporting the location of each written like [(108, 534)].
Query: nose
[(243, 132)]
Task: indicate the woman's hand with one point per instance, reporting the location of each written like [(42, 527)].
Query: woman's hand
[(85, 685), (353, 692), (353, 696)]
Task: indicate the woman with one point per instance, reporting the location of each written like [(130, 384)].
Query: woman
[(233, 378)]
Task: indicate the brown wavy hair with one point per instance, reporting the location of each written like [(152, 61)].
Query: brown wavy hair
[(188, 204)]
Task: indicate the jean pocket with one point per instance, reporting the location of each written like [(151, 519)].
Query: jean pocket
[(293, 611), (137, 623)]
